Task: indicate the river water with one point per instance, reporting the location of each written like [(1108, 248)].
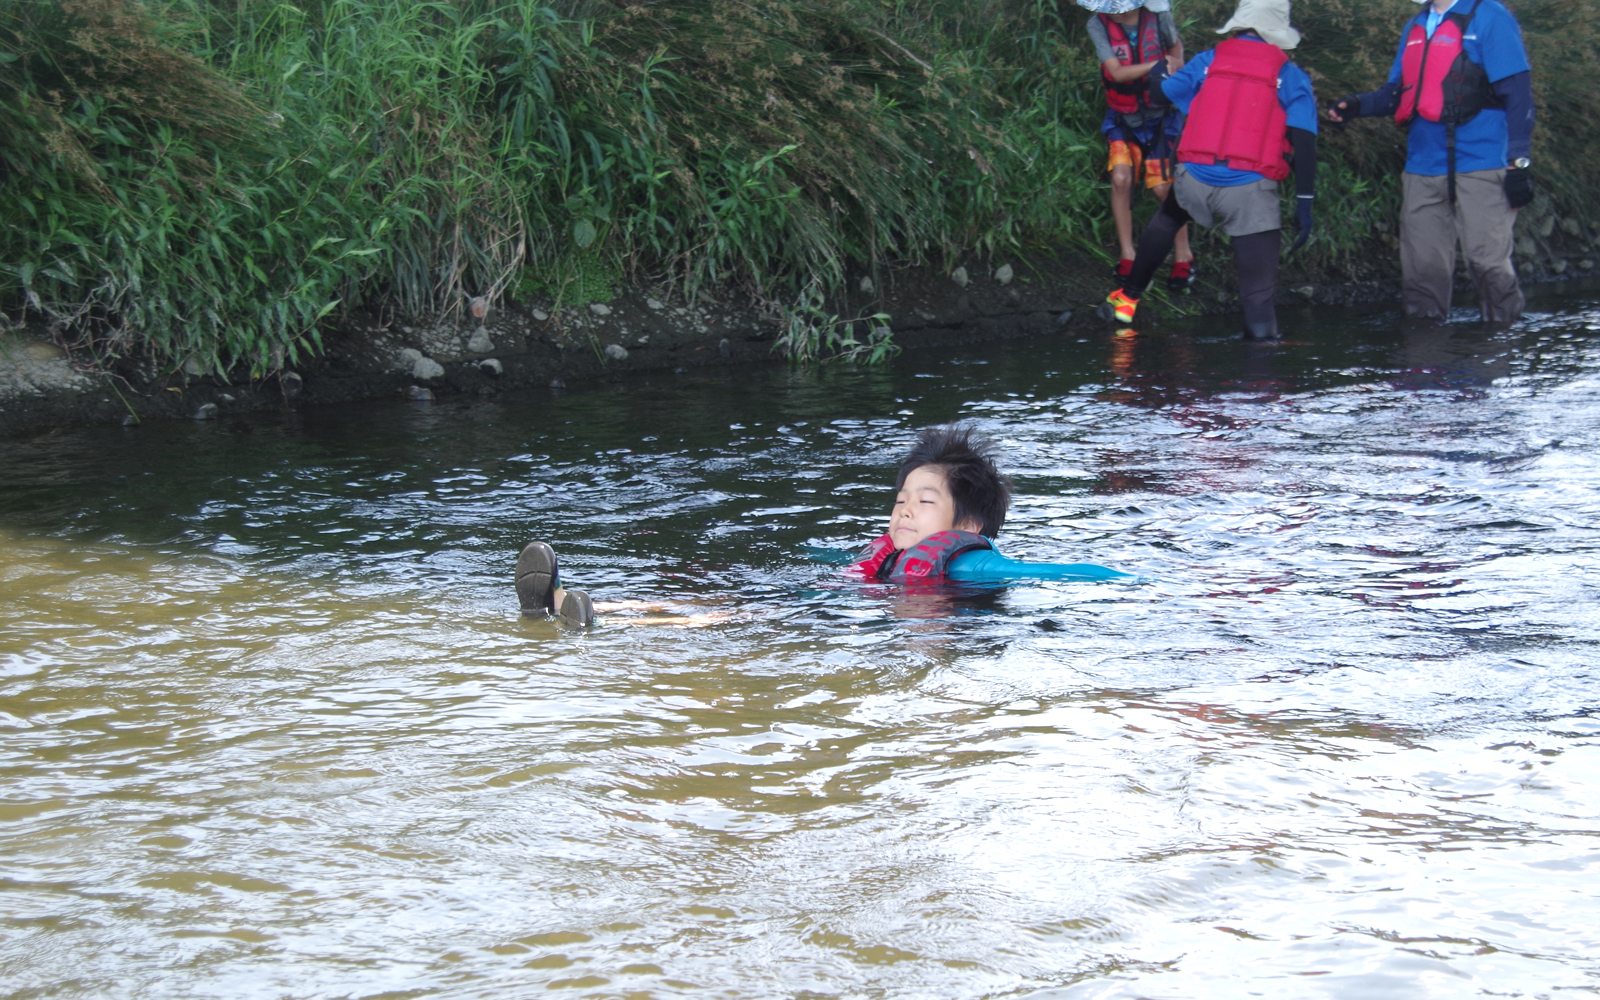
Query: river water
[(271, 725)]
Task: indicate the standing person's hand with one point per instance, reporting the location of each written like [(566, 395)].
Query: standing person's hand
[(1302, 221), (1519, 186), (1344, 109)]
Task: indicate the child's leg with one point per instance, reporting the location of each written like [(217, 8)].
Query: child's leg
[(1123, 163), (1122, 207)]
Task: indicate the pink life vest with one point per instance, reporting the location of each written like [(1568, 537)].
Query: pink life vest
[(1437, 80), (1236, 119), (925, 561), (1143, 47)]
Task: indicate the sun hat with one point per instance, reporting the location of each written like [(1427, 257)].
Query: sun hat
[(1123, 6), (1267, 18)]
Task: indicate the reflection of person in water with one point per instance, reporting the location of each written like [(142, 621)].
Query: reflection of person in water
[(950, 502)]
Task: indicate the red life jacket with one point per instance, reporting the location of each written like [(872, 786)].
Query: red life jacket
[(1145, 46), (1236, 119), (1437, 80), (924, 561)]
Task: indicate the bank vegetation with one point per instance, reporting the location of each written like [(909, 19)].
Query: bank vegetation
[(218, 181)]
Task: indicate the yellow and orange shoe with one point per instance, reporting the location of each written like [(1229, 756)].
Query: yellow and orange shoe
[(1118, 307)]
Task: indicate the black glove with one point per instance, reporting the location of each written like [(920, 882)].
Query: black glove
[(1157, 74), (1302, 221), (1346, 108), (1519, 186)]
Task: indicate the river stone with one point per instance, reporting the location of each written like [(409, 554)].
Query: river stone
[(642, 341), (130, 421), (959, 276), (655, 303), (226, 398), (419, 393), (193, 367), (556, 383), (1065, 318), (480, 342), (1547, 225), (725, 348), (1306, 291), (540, 315), (600, 309), (1571, 227), (1526, 247), (291, 383), (1004, 274), (616, 352), (426, 368), (491, 367), (206, 411), (865, 285), (1559, 266)]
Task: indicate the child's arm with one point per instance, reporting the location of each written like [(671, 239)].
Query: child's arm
[(989, 566)]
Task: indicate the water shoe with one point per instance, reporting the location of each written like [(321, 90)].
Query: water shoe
[(1183, 274), (576, 608), (537, 579), (1118, 307)]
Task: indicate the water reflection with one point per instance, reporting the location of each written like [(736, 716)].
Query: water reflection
[(274, 728)]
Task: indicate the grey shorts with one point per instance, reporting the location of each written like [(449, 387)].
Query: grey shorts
[(1238, 211)]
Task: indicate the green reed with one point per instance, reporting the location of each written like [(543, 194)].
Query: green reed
[(219, 181)]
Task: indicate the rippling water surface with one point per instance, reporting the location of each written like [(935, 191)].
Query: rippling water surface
[(272, 726)]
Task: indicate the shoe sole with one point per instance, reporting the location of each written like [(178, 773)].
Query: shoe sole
[(536, 579), (577, 609)]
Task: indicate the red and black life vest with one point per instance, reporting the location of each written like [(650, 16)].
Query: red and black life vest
[(1437, 80), (1236, 119), (1143, 47), (924, 561)]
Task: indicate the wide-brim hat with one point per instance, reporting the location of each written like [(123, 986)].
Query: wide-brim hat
[(1267, 18), (1123, 6)]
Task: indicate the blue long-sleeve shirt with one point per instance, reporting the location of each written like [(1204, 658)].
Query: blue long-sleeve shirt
[(1495, 136), (989, 566)]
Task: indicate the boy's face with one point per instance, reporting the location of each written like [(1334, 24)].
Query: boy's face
[(923, 507)]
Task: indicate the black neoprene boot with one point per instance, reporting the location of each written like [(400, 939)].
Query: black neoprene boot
[(1261, 329)]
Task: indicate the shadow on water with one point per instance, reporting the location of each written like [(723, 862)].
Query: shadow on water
[(273, 726)]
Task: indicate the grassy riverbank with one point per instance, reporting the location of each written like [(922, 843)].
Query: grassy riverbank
[(213, 182)]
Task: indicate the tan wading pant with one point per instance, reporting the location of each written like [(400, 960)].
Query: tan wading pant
[(1429, 228)]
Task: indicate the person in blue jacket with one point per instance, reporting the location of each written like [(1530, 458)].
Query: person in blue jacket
[(1251, 122), (1461, 88), (950, 501)]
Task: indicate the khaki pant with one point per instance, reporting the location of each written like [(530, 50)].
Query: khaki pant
[(1429, 229)]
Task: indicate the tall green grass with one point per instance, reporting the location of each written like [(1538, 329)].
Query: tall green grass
[(217, 181)]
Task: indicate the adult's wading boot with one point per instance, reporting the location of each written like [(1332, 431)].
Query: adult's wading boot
[(1265, 330)]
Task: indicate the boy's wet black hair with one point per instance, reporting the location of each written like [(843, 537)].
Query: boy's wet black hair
[(981, 494)]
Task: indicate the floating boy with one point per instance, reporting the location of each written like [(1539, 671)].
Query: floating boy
[(1251, 114), (1132, 39), (950, 501)]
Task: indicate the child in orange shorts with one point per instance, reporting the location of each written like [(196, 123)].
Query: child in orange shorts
[(1132, 38)]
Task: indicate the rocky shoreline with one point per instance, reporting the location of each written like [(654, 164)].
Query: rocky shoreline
[(523, 345)]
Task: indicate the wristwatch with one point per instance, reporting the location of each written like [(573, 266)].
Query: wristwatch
[(1522, 163)]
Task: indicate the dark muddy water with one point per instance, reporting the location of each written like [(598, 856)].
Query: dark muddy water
[(271, 726)]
